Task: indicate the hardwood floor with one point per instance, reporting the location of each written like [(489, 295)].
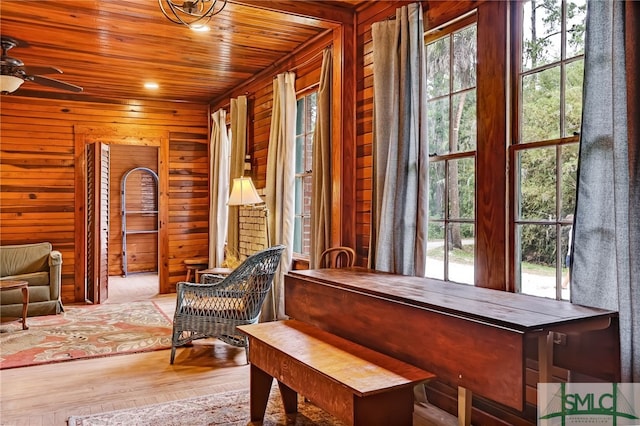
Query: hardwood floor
[(48, 394)]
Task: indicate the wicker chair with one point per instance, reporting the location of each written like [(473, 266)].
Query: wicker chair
[(218, 304), (338, 257)]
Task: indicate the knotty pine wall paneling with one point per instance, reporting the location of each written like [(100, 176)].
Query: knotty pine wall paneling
[(38, 178)]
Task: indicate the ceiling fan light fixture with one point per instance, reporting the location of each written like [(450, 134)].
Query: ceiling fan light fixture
[(10, 83), (191, 13)]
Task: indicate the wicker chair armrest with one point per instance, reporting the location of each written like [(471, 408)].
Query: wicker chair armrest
[(211, 278)]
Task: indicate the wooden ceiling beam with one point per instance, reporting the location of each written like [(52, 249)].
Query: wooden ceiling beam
[(324, 12)]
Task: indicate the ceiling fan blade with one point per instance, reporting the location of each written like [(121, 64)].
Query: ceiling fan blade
[(30, 70), (50, 82)]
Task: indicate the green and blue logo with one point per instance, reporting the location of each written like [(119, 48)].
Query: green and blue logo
[(588, 404)]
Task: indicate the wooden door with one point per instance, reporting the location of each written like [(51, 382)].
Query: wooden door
[(97, 222)]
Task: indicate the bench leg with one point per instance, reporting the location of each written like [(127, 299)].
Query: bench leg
[(289, 398), (259, 393)]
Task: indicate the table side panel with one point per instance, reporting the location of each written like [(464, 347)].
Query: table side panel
[(485, 359)]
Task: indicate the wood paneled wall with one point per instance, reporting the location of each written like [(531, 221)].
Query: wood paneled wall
[(37, 172)]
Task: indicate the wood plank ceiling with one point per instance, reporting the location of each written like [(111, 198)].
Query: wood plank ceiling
[(112, 47)]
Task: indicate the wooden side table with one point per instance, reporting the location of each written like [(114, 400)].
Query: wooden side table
[(24, 286), (215, 271)]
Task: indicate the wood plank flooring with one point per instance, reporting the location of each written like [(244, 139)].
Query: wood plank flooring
[(48, 394)]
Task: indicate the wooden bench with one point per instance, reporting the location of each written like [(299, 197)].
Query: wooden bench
[(357, 385)]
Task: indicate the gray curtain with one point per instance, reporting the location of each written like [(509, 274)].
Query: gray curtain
[(238, 148), (281, 185), (321, 157), (606, 248), (218, 187), (400, 151)]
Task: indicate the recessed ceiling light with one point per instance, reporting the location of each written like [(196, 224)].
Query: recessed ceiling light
[(151, 85)]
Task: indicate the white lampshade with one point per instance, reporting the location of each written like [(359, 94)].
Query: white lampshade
[(10, 83), (243, 192)]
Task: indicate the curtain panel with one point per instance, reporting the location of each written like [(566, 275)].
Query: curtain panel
[(400, 151), (218, 187), (238, 150), (280, 185), (322, 170), (606, 243)]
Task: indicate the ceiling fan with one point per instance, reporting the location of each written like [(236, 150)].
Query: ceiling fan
[(14, 72)]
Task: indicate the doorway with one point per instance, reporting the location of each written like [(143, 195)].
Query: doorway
[(92, 225), (133, 260)]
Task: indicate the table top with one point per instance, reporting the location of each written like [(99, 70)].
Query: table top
[(514, 311), (13, 284)]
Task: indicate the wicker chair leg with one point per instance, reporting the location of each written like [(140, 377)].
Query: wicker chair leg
[(246, 351), (173, 354)]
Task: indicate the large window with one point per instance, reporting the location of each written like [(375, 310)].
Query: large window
[(545, 152), (452, 129), (305, 125)]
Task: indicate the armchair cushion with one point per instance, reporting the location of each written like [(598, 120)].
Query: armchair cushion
[(41, 267)]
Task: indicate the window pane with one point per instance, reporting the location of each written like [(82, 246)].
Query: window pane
[(461, 188), (541, 105), (438, 68), (311, 112), (537, 184), (298, 196), (306, 235), (573, 97), (438, 126), (308, 154), (541, 37), (297, 235), (461, 253), (306, 207), (464, 59), (538, 257), (435, 251), (300, 154), (566, 259), (569, 178), (464, 122), (437, 189), (300, 116), (576, 16)]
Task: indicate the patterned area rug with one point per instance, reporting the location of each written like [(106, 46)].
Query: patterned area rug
[(85, 332), (228, 408)]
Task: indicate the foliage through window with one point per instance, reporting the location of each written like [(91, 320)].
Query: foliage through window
[(452, 129), (546, 150), (305, 125)]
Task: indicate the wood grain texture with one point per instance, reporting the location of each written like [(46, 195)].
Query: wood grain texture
[(354, 383), (111, 47), (468, 336), (38, 197)]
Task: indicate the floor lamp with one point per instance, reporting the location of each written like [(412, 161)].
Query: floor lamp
[(243, 193)]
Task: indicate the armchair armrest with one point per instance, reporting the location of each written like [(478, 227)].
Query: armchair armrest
[(55, 274), (211, 278)]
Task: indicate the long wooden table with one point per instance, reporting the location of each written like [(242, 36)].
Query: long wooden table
[(472, 338)]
